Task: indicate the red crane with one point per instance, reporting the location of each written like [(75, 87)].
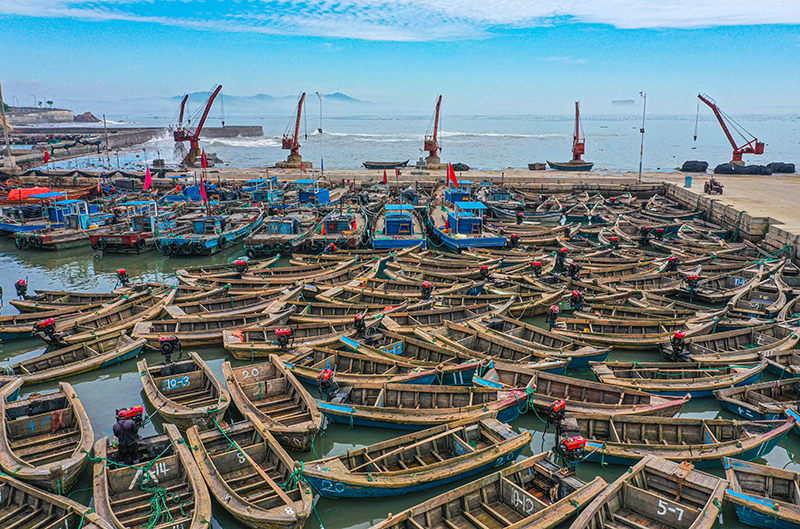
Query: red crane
[(183, 133), (751, 145), (291, 142), (432, 139), (578, 143)]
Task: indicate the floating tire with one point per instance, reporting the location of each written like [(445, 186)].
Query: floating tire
[(175, 248), (250, 253), (186, 248), (140, 244), (102, 245), (287, 247), (222, 242), (198, 248), (36, 241), (166, 249), (94, 246)]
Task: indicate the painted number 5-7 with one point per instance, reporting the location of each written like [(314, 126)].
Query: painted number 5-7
[(664, 509)]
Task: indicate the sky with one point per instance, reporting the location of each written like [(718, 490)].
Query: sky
[(485, 56)]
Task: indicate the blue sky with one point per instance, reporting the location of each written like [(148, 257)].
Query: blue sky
[(493, 57)]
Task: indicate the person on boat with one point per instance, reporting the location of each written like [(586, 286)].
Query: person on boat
[(127, 434)]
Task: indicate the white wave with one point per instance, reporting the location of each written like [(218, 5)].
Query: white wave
[(245, 142), (448, 134)]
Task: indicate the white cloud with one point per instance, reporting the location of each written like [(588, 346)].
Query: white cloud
[(411, 20)]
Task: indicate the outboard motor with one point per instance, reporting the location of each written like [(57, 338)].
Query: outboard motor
[(556, 413), (426, 289), (327, 384), (678, 343), (536, 267), (576, 300), (672, 264), (46, 329), (484, 271), (241, 266), (502, 230), (614, 242), (644, 232), (284, 336), (552, 315), (520, 218), (122, 277), (692, 281), (561, 255), (659, 233), (572, 449), (574, 270), (169, 345), (333, 248), (134, 413), (21, 287), (359, 324), (512, 240)]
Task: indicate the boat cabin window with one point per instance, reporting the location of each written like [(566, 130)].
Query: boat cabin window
[(399, 224), (340, 223), (464, 222)]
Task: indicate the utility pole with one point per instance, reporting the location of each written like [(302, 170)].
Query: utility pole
[(322, 139), (105, 130), (11, 166), (641, 148)]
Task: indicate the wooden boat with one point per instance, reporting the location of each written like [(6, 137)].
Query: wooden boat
[(523, 305), (698, 380), (117, 317), (343, 273), (762, 300), (746, 344), (651, 300), (46, 439), (185, 393), (23, 506), (212, 234), (409, 322), (599, 311), (622, 334), (205, 330), (244, 466), (579, 165), (86, 356), (282, 235), (384, 165), (398, 226), (123, 494), (656, 493), (417, 461), (789, 279), (137, 234), (721, 288), (581, 396), (625, 439), (532, 493), (18, 326), (246, 344), (478, 341), (343, 230), (764, 496), (459, 225), (535, 338), (47, 300), (767, 401), (413, 407), (271, 392), (10, 387), (226, 269), (264, 301)]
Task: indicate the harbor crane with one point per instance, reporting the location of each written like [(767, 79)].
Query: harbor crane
[(184, 133), (291, 138), (751, 144), (431, 144)]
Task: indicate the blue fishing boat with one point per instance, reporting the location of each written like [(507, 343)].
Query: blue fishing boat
[(282, 234), (212, 233), (459, 225), (764, 496), (342, 229), (398, 226)]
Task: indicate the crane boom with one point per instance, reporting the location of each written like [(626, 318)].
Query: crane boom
[(292, 142), (432, 140), (749, 147), (578, 145), (182, 133), (206, 111), (183, 108)]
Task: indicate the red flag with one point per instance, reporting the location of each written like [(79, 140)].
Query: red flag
[(99, 189), (397, 172), (303, 168), (451, 175), (203, 160), (148, 180), (267, 169), (203, 191), (46, 156), (385, 180)]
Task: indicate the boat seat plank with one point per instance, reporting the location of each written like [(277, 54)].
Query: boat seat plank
[(642, 502)]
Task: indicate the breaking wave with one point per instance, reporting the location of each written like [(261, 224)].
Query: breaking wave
[(245, 142)]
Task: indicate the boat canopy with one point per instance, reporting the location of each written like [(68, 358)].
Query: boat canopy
[(399, 207), (472, 206)]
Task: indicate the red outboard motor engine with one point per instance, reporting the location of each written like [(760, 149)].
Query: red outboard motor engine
[(284, 336), (122, 276), (556, 413), (326, 382), (484, 271), (644, 232), (678, 343), (536, 266), (614, 242), (502, 230), (134, 413), (169, 345), (426, 289), (241, 266), (21, 286), (520, 218), (47, 330), (672, 264), (561, 255), (574, 270), (333, 248), (692, 281), (359, 324), (576, 300), (512, 240), (552, 315), (572, 449), (660, 233)]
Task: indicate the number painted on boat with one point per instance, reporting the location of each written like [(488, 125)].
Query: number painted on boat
[(241, 458), (526, 504), (508, 458), (160, 468), (175, 383), (663, 509), (331, 487), (250, 373), (289, 510)]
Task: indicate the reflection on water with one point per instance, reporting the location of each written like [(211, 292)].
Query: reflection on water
[(102, 392)]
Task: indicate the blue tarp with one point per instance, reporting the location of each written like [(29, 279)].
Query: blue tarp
[(137, 203), (305, 182), (470, 205), (398, 207), (48, 195), (67, 202)]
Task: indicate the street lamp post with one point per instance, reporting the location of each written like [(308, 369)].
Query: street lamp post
[(641, 148), (322, 139), (10, 157)]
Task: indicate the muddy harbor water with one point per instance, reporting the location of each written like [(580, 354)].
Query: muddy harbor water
[(105, 390)]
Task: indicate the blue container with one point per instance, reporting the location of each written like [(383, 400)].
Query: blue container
[(687, 181)]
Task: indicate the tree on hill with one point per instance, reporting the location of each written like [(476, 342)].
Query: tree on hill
[(50, 103), (6, 107)]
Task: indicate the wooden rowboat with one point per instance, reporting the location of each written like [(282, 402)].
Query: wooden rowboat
[(676, 379), (762, 300), (46, 300), (764, 496), (46, 439), (409, 322), (185, 392), (417, 461), (263, 301), (246, 344), (656, 493), (79, 358), (244, 466), (271, 392), (581, 396), (23, 506), (621, 334), (413, 407), (123, 494), (740, 345), (532, 493), (625, 439), (18, 326), (767, 401)]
